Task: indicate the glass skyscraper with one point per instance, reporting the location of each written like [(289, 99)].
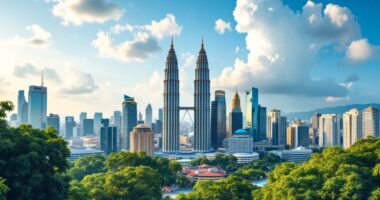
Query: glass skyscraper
[(37, 106), (252, 112), (53, 121), (129, 120), (22, 108), (148, 115), (218, 119), (236, 116), (69, 126)]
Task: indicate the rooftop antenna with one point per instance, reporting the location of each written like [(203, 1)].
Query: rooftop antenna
[(42, 77)]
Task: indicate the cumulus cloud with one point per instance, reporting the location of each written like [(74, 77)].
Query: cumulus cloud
[(283, 45), (335, 99), (78, 82), (138, 49), (222, 26), (144, 42), (29, 70), (188, 60), (165, 27), (77, 12), (40, 37), (360, 50), (153, 87)]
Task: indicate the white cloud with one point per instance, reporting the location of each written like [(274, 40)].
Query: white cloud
[(77, 12), (283, 45), (188, 60), (222, 26), (29, 70), (144, 42), (165, 27), (360, 50), (138, 49), (237, 49), (153, 87), (78, 82), (335, 99), (40, 37)]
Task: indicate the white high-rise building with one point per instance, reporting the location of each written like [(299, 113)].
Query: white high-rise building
[(148, 115), (276, 128), (371, 122), (352, 127), (329, 130)]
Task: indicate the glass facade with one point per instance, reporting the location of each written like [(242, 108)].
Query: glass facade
[(129, 120), (218, 119), (252, 112), (37, 106)]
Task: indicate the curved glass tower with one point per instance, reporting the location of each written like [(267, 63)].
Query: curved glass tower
[(170, 136), (202, 126)]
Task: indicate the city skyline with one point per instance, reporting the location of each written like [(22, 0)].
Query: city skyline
[(346, 60)]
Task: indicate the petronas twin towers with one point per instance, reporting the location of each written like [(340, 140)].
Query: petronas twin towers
[(202, 127)]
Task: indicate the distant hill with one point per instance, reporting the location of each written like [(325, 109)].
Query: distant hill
[(306, 115)]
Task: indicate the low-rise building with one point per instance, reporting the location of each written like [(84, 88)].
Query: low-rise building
[(244, 158), (204, 172), (77, 153), (297, 155)]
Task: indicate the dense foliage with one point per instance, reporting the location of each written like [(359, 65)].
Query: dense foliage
[(32, 161), (334, 174), (230, 188), (227, 162), (87, 165)]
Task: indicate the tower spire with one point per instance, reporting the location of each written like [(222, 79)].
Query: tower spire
[(171, 43), (42, 78)]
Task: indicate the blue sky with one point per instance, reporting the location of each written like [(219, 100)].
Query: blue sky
[(300, 54)]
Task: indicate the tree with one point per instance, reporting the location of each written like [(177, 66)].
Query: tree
[(32, 161), (334, 174), (183, 181), (3, 189), (130, 183), (87, 165)]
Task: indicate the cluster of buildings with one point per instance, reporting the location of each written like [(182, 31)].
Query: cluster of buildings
[(214, 128)]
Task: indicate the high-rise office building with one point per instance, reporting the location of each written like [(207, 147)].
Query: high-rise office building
[(202, 121), (218, 119), (297, 134), (37, 106), (252, 112), (108, 137), (98, 116), (69, 126), (240, 142), (262, 124), (116, 119), (276, 128), (142, 139), (371, 122), (160, 114), (88, 127), (53, 120), (236, 116), (315, 120), (148, 115), (352, 127), (82, 117), (13, 120), (22, 108), (329, 130), (170, 135), (129, 120)]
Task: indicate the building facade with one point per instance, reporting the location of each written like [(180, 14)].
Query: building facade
[(276, 128), (202, 119), (148, 115), (108, 138), (69, 126), (88, 127), (236, 116), (98, 116), (252, 112), (82, 116), (22, 108), (371, 122), (37, 106), (129, 120), (240, 142), (297, 134), (142, 139), (329, 130), (352, 127), (218, 119), (53, 121)]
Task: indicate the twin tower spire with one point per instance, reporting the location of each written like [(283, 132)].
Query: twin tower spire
[(202, 123)]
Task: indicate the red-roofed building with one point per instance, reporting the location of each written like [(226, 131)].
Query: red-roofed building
[(204, 172)]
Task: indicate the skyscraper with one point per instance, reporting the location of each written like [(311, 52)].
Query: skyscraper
[(202, 128), (53, 120), (22, 108), (329, 128), (297, 134), (218, 119), (315, 120), (69, 126), (252, 112), (148, 115), (276, 128), (88, 127), (97, 122), (160, 114), (371, 122), (108, 137), (262, 124), (82, 116), (170, 135), (37, 106), (352, 127), (236, 116), (142, 139), (140, 117), (129, 120)]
